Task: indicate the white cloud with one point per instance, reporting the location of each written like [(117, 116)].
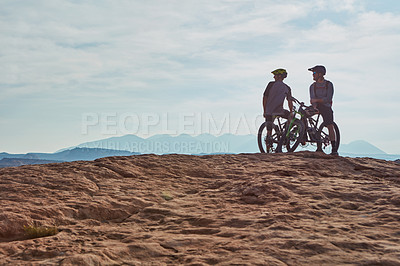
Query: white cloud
[(157, 55), (338, 5)]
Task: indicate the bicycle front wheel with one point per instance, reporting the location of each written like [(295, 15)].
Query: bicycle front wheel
[(292, 137), (268, 144), (324, 143)]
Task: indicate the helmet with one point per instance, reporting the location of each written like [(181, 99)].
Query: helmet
[(280, 71), (318, 69)]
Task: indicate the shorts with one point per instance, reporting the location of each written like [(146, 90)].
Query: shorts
[(326, 113), (269, 119)]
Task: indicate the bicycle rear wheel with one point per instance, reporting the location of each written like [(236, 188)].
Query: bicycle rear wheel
[(324, 142), (265, 144), (291, 140)]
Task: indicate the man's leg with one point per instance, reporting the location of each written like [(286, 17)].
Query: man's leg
[(332, 135), (332, 138), (327, 115), (270, 124)]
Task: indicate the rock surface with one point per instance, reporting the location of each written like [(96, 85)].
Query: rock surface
[(248, 209)]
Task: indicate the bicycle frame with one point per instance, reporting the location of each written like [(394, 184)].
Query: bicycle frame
[(311, 127), (301, 114), (269, 143), (310, 123), (280, 123)]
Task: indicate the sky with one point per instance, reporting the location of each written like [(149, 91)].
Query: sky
[(74, 71)]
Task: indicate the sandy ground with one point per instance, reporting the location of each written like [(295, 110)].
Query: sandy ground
[(248, 209)]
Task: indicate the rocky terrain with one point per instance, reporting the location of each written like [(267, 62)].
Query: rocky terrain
[(248, 209)]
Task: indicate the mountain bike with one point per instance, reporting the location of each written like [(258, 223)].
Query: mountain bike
[(269, 144), (306, 127)]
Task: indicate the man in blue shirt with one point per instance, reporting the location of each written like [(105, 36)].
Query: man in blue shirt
[(321, 95)]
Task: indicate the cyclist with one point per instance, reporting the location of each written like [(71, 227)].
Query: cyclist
[(321, 95), (274, 96)]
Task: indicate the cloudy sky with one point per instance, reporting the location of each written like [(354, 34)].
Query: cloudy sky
[(74, 71)]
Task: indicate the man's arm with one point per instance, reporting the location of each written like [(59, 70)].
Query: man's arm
[(264, 104), (290, 104), (289, 99), (313, 98), (329, 94), (327, 99)]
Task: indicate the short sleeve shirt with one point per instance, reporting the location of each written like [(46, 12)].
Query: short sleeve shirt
[(323, 90), (276, 95)]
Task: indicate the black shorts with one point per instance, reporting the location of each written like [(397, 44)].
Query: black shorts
[(269, 119), (326, 112)]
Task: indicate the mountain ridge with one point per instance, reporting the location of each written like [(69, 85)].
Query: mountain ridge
[(75, 154), (206, 143), (202, 144)]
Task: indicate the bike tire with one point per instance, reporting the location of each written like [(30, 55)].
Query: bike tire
[(323, 137), (289, 142), (261, 138)]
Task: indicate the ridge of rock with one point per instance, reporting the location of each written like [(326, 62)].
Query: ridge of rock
[(248, 209)]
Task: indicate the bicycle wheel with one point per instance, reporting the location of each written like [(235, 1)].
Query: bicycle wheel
[(265, 144), (291, 140), (324, 142)]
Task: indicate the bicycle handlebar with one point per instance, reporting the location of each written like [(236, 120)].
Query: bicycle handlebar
[(302, 104), (297, 101)]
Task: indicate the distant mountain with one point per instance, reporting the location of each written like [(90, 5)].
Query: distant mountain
[(122, 143), (75, 154), (184, 143), (87, 154), (360, 147), (12, 162), (19, 156), (210, 144), (239, 143), (205, 137)]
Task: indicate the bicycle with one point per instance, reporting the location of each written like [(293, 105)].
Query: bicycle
[(305, 128), (269, 144)]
